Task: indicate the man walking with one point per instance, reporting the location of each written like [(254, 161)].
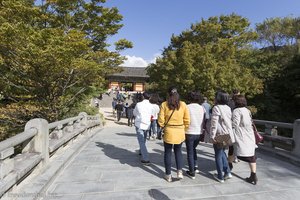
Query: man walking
[(142, 113)]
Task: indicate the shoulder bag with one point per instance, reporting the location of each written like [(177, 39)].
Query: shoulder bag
[(161, 132)]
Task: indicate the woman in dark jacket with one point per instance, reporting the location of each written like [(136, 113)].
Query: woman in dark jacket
[(130, 115)]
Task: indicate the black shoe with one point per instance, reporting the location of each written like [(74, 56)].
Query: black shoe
[(145, 162), (230, 166), (190, 174), (252, 179)]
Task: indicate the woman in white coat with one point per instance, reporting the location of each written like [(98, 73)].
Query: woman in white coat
[(244, 136)]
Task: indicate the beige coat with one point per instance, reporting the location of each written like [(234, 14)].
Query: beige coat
[(243, 132)]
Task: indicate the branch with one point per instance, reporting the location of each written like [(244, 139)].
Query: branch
[(77, 81), (68, 81), (12, 84), (79, 92)]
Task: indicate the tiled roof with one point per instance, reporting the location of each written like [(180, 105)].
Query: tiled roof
[(132, 72)]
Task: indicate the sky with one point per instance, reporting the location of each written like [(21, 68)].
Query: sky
[(149, 24)]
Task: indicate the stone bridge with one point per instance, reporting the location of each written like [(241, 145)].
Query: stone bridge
[(79, 158)]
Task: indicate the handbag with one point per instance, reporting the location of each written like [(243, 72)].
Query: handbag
[(161, 131), (223, 140), (258, 137)]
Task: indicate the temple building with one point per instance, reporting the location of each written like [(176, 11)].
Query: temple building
[(131, 79)]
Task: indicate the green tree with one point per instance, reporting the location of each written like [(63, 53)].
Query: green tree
[(207, 57), (276, 33), (53, 57), (276, 65)]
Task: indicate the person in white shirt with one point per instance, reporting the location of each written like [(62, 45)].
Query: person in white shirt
[(192, 135), (142, 113)]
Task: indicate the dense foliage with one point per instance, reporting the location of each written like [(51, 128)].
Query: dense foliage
[(224, 53), (53, 57), (208, 56), (278, 65)]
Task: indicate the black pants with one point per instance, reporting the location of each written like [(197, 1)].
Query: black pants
[(130, 121), (119, 113)]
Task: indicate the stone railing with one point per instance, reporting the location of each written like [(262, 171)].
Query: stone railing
[(36, 144), (279, 143)]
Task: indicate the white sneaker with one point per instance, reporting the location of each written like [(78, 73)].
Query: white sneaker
[(152, 137), (168, 178), (227, 176), (179, 174)]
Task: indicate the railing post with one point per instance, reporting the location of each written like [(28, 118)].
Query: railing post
[(296, 137), (84, 121), (40, 143)]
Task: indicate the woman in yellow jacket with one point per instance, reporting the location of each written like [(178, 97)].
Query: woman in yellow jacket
[(174, 116)]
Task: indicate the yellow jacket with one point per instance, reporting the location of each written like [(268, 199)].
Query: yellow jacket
[(174, 133)]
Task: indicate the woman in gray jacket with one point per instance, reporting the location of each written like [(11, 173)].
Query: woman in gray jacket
[(244, 136), (221, 125)]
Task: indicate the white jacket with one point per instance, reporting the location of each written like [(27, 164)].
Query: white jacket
[(243, 131), (142, 113)]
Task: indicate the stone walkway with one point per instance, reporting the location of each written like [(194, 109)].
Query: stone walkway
[(108, 166)]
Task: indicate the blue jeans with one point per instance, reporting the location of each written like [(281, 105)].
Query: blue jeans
[(168, 157), (153, 127), (221, 162), (142, 137), (191, 142)]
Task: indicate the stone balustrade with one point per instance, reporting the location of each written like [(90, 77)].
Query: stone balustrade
[(39, 141), (280, 144)]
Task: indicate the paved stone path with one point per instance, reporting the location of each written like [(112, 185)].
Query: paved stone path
[(108, 167)]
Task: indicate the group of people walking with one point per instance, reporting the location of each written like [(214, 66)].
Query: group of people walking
[(192, 122), (123, 110)]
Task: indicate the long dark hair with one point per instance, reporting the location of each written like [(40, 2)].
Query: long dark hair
[(221, 98), (240, 101), (173, 99), (154, 99)]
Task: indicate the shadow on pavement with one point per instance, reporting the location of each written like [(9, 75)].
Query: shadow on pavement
[(127, 134), (158, 195), (121, 123), (130, 158)]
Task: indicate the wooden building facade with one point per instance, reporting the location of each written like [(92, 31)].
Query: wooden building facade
[(132, 78)]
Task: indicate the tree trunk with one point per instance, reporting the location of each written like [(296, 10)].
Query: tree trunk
[(298, 45)]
